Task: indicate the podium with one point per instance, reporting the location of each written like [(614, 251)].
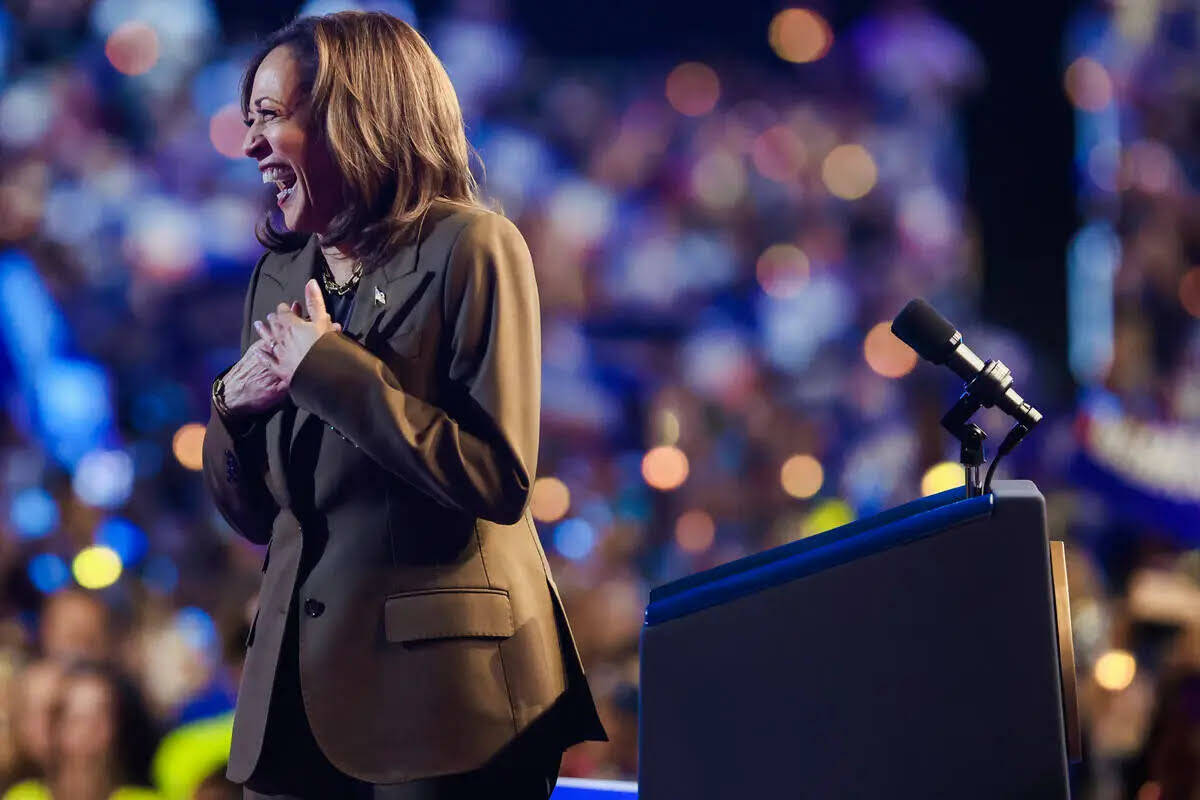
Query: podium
[(917, 653)]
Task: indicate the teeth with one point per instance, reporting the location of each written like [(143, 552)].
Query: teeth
[(284, 194), (276, 174)]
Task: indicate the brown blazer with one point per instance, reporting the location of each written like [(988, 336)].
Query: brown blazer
[(392, 488)]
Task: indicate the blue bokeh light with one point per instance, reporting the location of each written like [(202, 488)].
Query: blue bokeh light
[(126, 539), (48, 572), (197, 629), (574, 538), (73, 408), (104, 478), (33, 513)]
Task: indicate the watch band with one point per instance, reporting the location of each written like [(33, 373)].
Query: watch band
[(218, 397)]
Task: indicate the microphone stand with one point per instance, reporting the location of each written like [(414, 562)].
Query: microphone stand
[(970, 437), (983, 390)]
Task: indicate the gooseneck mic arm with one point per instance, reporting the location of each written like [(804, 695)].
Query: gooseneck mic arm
[(989, 383)]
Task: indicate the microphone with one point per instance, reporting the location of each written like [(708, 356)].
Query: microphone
[(935, 339)]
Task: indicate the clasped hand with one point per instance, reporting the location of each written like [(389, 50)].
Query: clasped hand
[(263, 375)]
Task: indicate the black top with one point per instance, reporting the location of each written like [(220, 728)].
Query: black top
[(339, 306)]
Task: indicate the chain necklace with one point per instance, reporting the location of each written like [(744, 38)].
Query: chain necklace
[(333, 287)]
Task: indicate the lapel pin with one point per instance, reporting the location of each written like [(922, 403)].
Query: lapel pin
[(379, 298)]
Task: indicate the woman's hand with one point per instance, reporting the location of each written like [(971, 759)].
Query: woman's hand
[(288, 336), (251, 384)]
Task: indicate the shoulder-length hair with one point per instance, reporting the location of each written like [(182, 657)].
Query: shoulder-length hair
[(391, 119)]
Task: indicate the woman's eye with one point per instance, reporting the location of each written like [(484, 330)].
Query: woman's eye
[(263, 113)]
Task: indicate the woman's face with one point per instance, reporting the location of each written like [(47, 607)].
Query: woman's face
[(285, 142), (86, 724)]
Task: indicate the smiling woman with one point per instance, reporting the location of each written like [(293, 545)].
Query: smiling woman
[(380, 434)]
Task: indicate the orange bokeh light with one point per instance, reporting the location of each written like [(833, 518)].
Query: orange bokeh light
[(782, 270), (693, 88), (665, 468), (799, 35), (801, 476), (188, 445), (1189, 291), (550, 501), (887, 355), (226, 130), (849, 171), (694, 531), (132, 48)]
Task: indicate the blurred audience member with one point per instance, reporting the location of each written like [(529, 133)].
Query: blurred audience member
[(75, 625)]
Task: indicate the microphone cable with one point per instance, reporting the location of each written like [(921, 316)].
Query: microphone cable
[(1010, 441)]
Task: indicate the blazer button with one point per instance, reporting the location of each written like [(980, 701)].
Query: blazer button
[(314, 608)]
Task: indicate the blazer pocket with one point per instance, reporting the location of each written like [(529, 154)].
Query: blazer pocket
[(448, 614)]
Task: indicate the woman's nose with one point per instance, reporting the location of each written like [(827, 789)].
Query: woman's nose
[(253, 143)]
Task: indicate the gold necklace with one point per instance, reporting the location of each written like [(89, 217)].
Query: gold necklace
[(333, 287)]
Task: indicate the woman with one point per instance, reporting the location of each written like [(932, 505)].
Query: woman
[(102, 738), (380, 432)]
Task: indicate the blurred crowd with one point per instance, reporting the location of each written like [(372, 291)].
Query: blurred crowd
[(719, 246)]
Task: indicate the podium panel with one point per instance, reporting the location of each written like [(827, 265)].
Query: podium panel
[(912, 654)]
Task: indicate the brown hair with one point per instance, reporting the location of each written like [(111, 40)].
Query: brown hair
[(391, 120)]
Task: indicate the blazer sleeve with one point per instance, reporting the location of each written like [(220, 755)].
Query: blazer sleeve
[(479, 456), (235, 454)]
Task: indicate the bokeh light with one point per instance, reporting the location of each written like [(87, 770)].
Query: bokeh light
[(132, 48), (1189, 291), (802, 476), (550, 499), (693, 88), (827, 515), (96, 567), (799, 35), (782, 270), (665, 468), (779, 153), (1115, 670), (849, 171), (124, 538), (886, 355), (25, 116), (1149, 166), (103, 478), (197, 627), (33, 513), (694, 531), (188, 445), (574, 538), (1088, 84), (226, 130), (163, 239), (942, 476), (719, 180), (48, 573)]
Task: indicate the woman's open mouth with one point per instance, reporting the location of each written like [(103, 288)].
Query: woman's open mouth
[(284, 180)]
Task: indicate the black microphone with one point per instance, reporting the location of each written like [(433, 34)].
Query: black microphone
[(923, 329)]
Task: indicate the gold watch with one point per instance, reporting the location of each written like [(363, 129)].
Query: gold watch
[(218, 396)]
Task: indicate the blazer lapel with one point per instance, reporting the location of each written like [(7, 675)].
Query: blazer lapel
[(371, 298)]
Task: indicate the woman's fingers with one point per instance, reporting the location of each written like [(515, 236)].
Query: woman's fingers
[(263, 334), (314, 299)]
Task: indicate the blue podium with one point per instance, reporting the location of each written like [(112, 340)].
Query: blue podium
[(924, 652)]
